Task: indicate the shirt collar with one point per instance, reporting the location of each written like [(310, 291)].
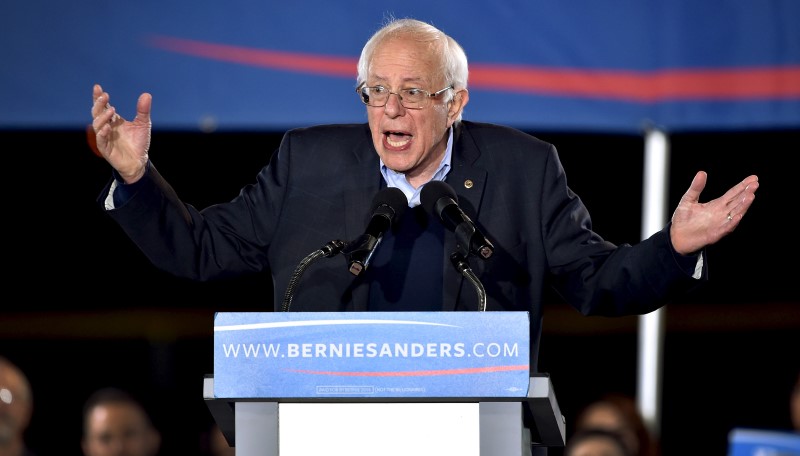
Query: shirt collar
[(398, 180)]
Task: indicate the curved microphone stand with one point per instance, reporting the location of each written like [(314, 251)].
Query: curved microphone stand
[(462, 266), (328, 250)]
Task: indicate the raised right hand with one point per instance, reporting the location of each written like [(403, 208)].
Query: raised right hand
[(124, 144)]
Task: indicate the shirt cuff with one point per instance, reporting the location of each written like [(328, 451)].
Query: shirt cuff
[(120, 193)]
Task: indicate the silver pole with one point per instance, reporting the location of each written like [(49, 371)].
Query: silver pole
[(651, 326)]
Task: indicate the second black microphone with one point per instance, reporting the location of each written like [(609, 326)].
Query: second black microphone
[(388, 206), (440, 200)]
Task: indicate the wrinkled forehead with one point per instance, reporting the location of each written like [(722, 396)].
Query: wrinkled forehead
[(407, 59)]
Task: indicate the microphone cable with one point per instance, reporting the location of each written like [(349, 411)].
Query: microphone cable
[(328, 250)]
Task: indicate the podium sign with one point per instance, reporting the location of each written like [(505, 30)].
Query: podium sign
[(763, 442), (329, 355)]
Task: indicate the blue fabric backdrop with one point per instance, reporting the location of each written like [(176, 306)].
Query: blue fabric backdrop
[(610, 65)]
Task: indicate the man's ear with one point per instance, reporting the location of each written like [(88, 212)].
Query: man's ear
[(460, 99)]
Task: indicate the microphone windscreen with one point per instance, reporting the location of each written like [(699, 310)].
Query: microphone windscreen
[(432, 192), (392, 197)]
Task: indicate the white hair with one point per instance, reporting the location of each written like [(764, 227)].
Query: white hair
[(453, 59)]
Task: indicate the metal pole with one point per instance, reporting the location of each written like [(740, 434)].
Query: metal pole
[(651, 326)]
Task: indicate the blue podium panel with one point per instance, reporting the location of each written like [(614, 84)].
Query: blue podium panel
[(371, 355), (763, 442)]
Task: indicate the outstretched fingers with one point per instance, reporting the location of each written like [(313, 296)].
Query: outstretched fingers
[(696, 225), (740, 197), (103, 114)]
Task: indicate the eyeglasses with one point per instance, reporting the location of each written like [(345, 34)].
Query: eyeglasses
[(413, 98)]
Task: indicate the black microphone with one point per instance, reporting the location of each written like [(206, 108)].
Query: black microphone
[(388, 206), (440, 200)]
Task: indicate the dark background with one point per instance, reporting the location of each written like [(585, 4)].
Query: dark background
[(85, 309)]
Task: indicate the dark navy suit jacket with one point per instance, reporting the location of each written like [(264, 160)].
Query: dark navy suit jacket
[(319, 187)]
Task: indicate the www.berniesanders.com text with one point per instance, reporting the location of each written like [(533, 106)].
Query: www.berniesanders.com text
[(371, 350)]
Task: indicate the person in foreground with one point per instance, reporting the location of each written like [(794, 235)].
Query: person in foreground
[(115, 423), (596, 442), (617, 412), (16, 409), (319, 184)]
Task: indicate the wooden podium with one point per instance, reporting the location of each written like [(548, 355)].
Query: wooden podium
[(271, 413)]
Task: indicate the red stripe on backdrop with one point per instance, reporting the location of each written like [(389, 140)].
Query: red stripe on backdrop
[(645, 87), (307, 63), (642, 87)]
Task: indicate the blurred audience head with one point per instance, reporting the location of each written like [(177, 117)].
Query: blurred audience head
[(218, 445), (16, 408), (596, 442), (115, 423), (618, 413)]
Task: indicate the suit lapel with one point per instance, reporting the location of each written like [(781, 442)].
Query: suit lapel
[(365, 181), (468, 179)]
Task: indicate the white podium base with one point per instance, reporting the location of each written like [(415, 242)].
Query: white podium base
[(263, 427), (388, 429), (379, 429)]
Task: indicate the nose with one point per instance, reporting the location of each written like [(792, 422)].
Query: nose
[(393, 106)]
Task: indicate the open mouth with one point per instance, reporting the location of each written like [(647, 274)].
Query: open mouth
[(397, 139)]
